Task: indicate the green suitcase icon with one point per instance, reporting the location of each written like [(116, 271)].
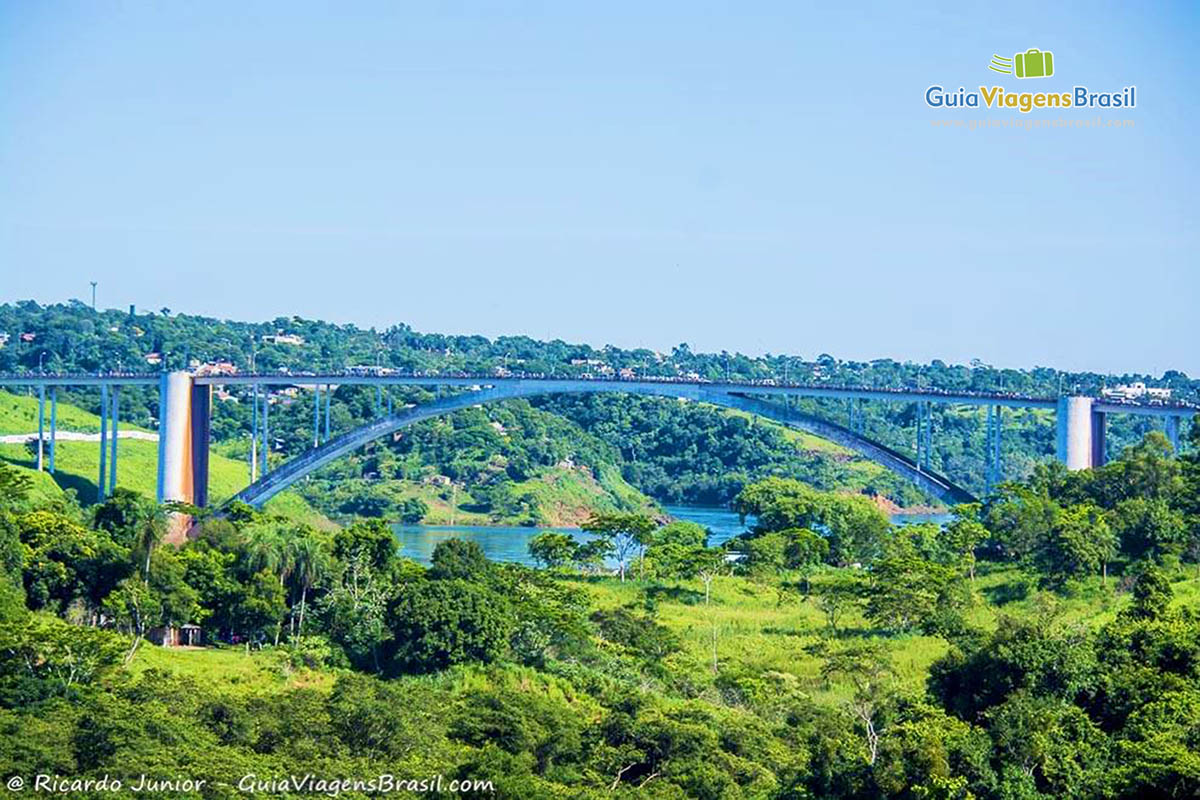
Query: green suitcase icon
[(1034, 63)]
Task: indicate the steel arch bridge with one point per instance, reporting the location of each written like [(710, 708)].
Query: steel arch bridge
[(185, 404), (270, 484)]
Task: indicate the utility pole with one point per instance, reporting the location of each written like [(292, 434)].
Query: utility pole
[(93, 295)]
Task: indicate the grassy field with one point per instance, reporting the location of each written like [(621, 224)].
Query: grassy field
[(760, 628), (224, 667), (78, 463)]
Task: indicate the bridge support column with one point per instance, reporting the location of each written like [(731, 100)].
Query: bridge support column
[(1099, 438), (162, 437), (53, 424), (316, 415), (924, 434), (112, 462), (41, 424), (928, 434), (266, 434), (177, 430), (254, 434), (1081, 433), (997, 458), (994, 470), (103, 443), (328, 400), (1171, 428), (183, 432), (201, 430)]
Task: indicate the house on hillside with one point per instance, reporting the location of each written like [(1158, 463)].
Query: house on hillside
[(283, 338), (217, 368)]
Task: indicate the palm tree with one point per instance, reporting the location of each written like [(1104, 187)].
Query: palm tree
[(263, 548), (269, 546), (312, 563), (151, 524)]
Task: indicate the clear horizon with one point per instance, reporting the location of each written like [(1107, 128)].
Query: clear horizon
[(761, 180)]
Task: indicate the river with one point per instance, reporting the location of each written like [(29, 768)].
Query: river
[(511, 543)]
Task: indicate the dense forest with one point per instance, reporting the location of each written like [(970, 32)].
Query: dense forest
[(1045, 644), (670, 451)]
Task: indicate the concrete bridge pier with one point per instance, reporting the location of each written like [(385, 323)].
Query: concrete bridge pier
[(184, 431), (1081, 433)]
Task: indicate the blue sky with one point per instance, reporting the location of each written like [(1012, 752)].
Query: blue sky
[(753, 176)]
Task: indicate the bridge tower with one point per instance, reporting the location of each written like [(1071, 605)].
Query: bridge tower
[(1081, 433), (186, 411)]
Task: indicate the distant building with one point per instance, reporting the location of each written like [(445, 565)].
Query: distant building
[(154, 358), (1137, 391), (586, 362), (626, 372), (217, 368), (28, 337), (283, 338), (3, 338)]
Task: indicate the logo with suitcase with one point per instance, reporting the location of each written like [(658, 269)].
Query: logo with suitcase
[(1033, 63)]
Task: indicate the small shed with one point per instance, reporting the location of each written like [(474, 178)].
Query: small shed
[(188, 635)]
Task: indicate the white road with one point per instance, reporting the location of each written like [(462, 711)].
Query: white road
[(71, 436)]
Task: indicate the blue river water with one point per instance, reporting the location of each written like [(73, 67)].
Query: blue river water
[(511, 544)]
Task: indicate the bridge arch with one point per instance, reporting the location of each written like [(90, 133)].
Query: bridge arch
[(273, 482)]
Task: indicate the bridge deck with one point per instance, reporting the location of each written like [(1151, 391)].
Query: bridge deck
[(550, 385)]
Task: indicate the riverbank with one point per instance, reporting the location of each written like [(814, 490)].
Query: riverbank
[(511, 543)]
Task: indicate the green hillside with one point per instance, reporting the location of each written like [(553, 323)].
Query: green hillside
[(849, 470), (502, 464)]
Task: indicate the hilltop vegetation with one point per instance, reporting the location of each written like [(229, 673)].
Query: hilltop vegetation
[(1044, 645)]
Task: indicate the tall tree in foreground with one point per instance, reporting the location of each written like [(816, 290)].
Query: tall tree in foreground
[(626, 531)]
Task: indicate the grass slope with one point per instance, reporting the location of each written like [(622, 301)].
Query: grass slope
[(854, 472), (759, 630), (78, 463), (564, 497)]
